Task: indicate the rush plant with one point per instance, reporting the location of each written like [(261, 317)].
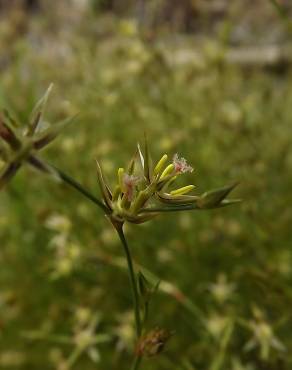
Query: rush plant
[(144, 190)]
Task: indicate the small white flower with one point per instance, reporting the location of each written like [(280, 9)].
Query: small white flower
[(222, 290), (181, 165), (264, 338)]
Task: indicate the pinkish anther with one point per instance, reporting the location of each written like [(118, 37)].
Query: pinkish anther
[(180, 165), (129, 182)]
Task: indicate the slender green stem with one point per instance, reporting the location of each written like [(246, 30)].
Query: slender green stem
[(146, 313), (136, 363), (119, 227), (74, 184), (132, 277)]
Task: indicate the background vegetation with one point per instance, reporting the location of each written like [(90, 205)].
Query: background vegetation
[(210, 82)]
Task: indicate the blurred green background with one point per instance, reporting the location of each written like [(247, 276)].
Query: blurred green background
[(210, 80)]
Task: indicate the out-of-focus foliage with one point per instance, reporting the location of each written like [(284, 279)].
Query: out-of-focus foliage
[(226, 275)]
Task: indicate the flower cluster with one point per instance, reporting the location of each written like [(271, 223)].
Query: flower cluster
[(18, 146), (143, 190), (153, 343)]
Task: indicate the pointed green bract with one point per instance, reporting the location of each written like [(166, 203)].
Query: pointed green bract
[(141, 218), (143, 285), (8, 134), (214, 198), (51, 133), (171, 208), (141, 156), (131, 166), (146, 287), (103, 186), (147, 160), (177, 199), (229, 202), (8, 172), (38, 111), (10, 119)]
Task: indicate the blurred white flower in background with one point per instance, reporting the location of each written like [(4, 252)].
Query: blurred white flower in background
[(263, 336), (221, 290)]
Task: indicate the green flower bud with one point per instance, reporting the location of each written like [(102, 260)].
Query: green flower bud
[(184, 190), (169, 169), (121, 172), (160, 164)]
